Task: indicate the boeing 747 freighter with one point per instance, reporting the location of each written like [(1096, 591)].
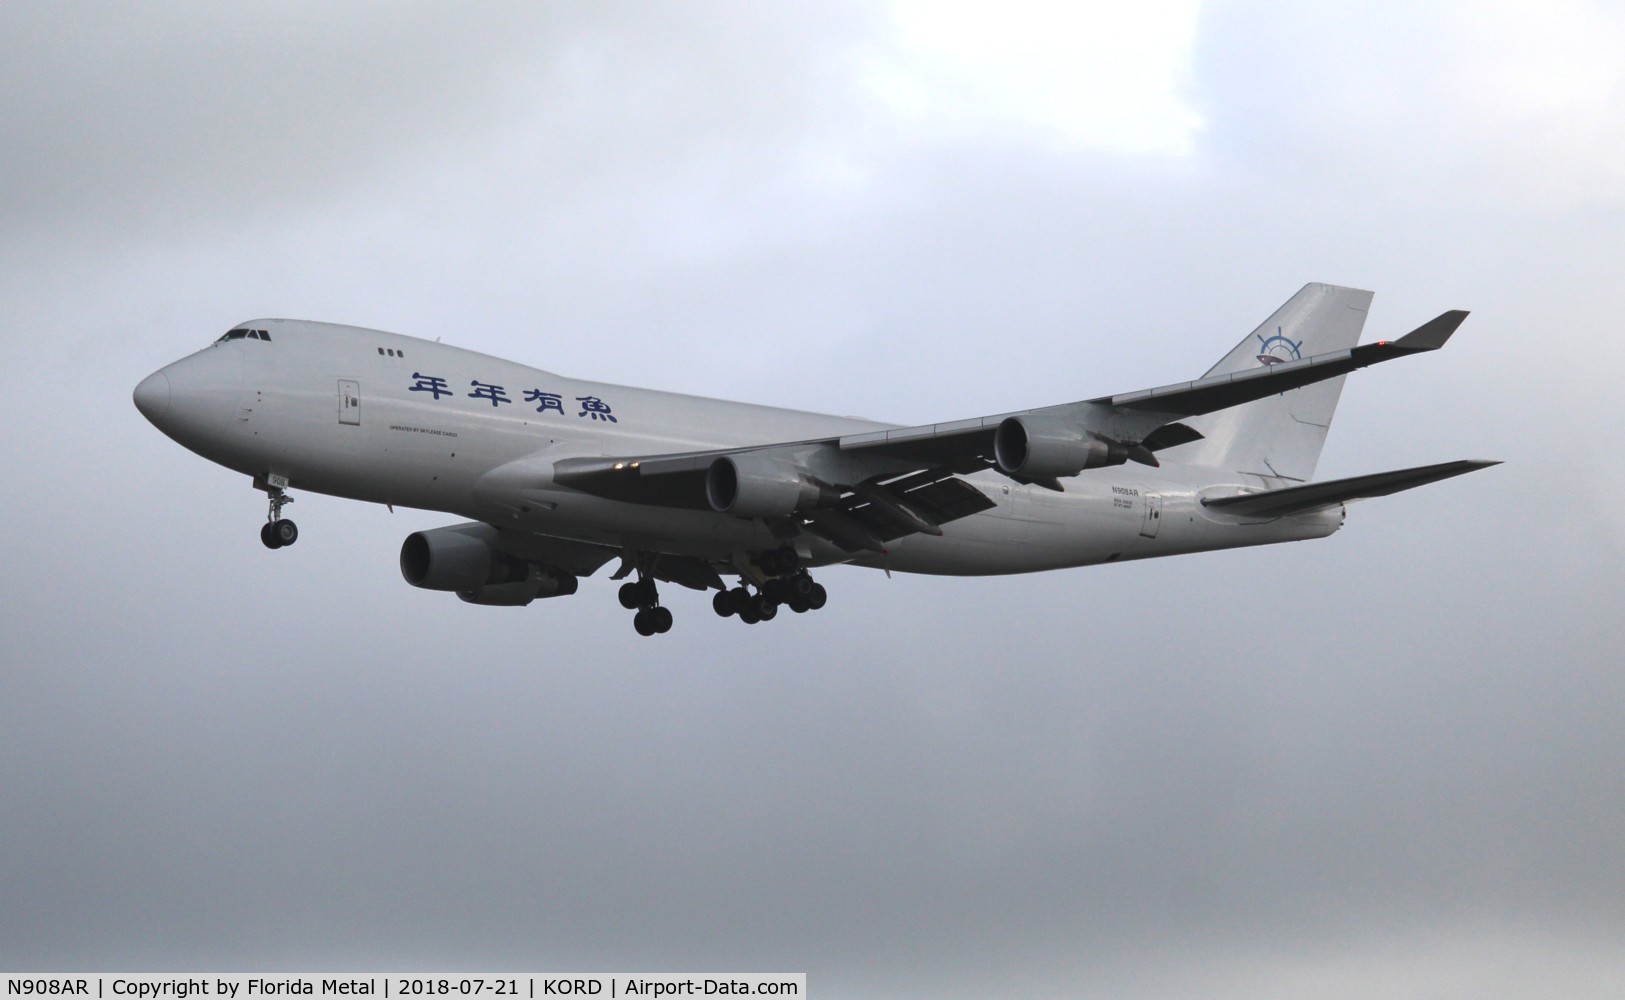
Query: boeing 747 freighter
[(559, 477)]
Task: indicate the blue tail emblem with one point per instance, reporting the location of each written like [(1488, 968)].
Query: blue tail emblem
[(1277, 349)]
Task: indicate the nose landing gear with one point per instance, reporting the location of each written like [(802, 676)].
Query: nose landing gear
[(278, 531)]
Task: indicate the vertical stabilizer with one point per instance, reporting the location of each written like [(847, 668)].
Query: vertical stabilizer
[(1279, 438)]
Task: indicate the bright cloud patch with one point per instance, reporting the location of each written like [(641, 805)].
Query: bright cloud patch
[(1104, 76)]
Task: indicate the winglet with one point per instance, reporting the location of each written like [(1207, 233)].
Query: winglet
[(1431, 336)]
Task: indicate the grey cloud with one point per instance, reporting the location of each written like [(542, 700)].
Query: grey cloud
[(151, 121)]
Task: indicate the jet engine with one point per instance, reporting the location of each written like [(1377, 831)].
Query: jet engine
[(1038, 447), (757, 486), (463, 560)]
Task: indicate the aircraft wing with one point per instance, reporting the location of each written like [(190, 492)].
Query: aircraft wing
[(864, 509), (1312, 496), (861, 490), (1148, 417)]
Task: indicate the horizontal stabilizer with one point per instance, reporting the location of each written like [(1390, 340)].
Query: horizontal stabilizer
[(1297, 499)]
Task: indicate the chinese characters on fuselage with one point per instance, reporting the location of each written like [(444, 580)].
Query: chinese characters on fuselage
[(496, 395)]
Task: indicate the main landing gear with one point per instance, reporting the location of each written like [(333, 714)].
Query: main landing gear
[(651, 619), (278, 531), (788, 584), (769, 581)]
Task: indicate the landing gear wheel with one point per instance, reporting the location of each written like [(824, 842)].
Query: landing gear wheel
[(629, 596), (816, 599), (638, 594), (798, 604), (766, 607), (801, 585), (739, 599), (748, 615), (722, 603), (285, 532), (268, 537), (661, 619), (645, 622)]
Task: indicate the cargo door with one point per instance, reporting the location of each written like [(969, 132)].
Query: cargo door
[(1153, 515)]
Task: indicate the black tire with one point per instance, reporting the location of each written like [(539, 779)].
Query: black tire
[(643, 621), (628, 595), (766, 607), (268, 537), (722, 604), (798, 604), (748, 614), (739, 599), (817, 598), (801, 585), (662, 620), (286, 533)]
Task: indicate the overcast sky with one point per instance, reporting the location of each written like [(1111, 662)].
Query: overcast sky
[(1388, 763)]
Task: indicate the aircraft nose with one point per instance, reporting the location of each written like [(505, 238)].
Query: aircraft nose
[(152, 396), (193, 400)]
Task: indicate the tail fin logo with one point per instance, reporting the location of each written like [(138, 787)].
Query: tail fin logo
[(1277, 350)]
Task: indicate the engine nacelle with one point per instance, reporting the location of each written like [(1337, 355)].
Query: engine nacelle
[(453, 559), (757, 486), (1040, 447), (540, 582)]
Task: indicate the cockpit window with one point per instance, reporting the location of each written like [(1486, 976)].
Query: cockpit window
[(244, 334)]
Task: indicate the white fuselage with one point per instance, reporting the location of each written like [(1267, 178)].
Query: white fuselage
[(391, 419)]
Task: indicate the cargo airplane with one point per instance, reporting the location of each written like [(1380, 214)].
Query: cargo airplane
[(559, 477)]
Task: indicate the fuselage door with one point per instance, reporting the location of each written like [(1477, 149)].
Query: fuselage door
[(1153, 515), (349, 401)]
